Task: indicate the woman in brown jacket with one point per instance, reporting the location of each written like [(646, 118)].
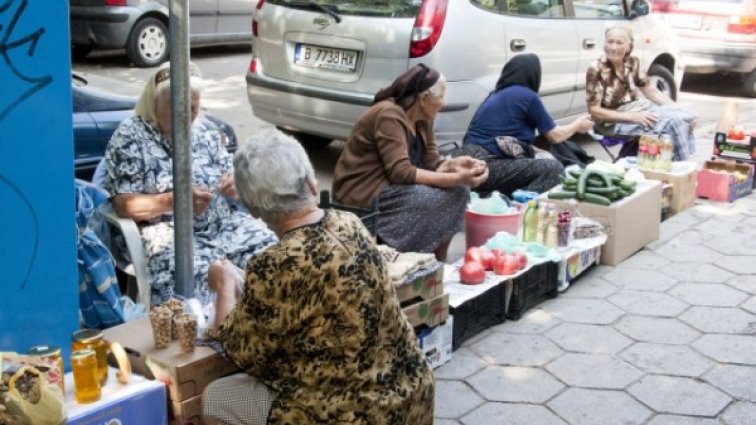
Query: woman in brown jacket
[(391, 155)]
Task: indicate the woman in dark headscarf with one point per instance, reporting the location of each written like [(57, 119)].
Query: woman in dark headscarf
[(514, 109), (391, 156)]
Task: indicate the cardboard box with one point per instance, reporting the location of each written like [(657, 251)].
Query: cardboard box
[(141, 401), (430, 312), (630, 223), (717, 182), (422, 287), (186, 374), (187, 412), (579, 262), (735, 149), (436, 343), (684, 181)]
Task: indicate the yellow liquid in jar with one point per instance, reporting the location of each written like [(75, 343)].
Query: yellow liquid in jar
[(86, 377), (101, 353)]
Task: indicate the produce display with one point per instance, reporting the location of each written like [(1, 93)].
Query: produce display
[(594, 186), (479, 259)]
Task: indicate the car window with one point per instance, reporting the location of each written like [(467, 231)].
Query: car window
[(536, 8), (598, 9), (377, 8)]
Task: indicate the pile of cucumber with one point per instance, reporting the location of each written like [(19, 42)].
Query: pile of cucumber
[(593, 186)]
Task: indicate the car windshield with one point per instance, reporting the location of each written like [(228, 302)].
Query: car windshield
[(379, 8)]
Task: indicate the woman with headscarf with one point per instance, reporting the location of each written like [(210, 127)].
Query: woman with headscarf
[(514, 110), (139, 178), (613, 84), (391, 156)]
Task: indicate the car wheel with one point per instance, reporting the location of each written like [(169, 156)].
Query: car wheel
[(309, 141), (80, 51), (749, 84), (663, 80), (148, 43)]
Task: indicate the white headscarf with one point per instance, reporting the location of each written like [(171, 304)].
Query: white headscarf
[(158, 83)]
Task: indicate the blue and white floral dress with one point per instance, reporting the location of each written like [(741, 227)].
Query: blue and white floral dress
[(139, 160)]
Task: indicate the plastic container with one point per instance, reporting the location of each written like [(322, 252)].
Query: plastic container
[(539, 283), (478, 314), (480, 227)]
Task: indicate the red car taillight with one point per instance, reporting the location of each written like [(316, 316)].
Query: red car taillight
[(253, 66), (259, 6), (115, 2), (742, 25), (427, 29)]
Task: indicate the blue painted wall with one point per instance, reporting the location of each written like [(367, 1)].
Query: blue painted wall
[(38, 274)]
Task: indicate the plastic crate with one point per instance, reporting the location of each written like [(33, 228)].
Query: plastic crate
[(478, 314), (535, 285)]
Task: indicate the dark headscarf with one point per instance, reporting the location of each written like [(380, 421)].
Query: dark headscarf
[(407, 86), (521, 70)]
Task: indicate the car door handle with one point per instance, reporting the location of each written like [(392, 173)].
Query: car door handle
[(589, 43), (517, 45)]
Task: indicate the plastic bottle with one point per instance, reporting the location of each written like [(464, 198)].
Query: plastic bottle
[(541, 226), (652, 155), (665, 157), (552, 230), (530, 225), (643, 151)]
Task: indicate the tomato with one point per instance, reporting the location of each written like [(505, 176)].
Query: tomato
[(736, 133), (488, 259), (506, 265), (472, 273), (474, 255), (522, 259)]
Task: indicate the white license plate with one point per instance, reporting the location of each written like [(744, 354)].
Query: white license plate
[(684, 20), (311, 56)]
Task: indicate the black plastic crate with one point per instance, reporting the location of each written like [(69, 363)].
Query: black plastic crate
[(535, 285), (477, 314)]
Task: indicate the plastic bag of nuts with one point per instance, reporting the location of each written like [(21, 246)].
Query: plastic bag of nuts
[(186, 325), (177, 307), (160, 319)]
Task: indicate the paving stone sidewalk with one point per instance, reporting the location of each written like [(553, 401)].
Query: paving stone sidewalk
[(668, 337)]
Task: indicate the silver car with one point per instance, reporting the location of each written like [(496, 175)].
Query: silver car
[(715, 36), (317, 64), (141, 26)]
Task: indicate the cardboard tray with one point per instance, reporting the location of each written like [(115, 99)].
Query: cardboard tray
[(423, 287), (428, 313)]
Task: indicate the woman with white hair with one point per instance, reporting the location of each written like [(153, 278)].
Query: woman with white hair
[(613, 86), (391, 156), (139, 177), (316, 324)]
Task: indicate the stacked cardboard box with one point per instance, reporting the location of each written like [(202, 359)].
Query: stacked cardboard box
[(185, 374), (423, 299)]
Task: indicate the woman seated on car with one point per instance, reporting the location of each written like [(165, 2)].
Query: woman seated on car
[(139, 177), (315, 325), (391, 156), (503, 130), (613, 85)]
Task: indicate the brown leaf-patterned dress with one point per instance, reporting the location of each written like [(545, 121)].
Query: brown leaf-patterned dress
[(320, 324)]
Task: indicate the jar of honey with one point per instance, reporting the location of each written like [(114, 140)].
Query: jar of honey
[(51, 352), (86, 376), (92, 338)]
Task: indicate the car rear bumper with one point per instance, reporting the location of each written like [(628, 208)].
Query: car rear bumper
[(703, 58), (332, 114), (110, 28)]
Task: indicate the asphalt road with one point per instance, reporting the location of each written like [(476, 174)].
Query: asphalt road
[(225, 68)]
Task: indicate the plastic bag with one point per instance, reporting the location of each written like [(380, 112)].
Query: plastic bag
[(132, 310), (30, 392)]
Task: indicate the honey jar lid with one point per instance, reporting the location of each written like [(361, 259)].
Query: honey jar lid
[(86, 335), (44, 351), (82, 354)]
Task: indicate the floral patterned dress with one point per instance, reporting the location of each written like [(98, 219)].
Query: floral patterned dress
[(319, 323), (139, 160)]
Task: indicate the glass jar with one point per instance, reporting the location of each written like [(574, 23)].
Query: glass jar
[(92, 338), (86, 376), (51, 352)]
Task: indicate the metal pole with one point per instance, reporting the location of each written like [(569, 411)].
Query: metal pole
[(181, 134)]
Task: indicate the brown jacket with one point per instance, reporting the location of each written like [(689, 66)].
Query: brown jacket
[(377, 155)]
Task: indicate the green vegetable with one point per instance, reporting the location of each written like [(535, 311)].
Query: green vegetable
[(582, 182), (568, 180), (565, 194), (601, 190), (597, 199), (596, 181), (576, 173), (628, 184)]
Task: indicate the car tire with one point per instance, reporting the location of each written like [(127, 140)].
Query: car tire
[(664, 81), (309, 141), (749, 84), (148, 43), (80, 51)]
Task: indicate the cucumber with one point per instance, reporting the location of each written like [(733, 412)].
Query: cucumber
[(594, 181), (564, 194), (582, 182), (568, 180), (576, 173), (601, 190), (628, 184), (597, 199)]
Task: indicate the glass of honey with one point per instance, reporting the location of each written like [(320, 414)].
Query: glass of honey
[(92, 338), (86, 376)]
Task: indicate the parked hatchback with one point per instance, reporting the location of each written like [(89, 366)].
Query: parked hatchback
[(141, 26), (317, 64), (715, 36)]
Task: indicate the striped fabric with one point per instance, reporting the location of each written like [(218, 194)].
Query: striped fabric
[(239, 399)]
